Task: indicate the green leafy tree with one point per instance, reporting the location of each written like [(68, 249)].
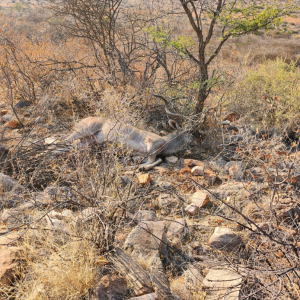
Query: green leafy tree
[(222, 19)]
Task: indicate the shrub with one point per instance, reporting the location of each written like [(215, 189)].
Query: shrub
[(267, 95)]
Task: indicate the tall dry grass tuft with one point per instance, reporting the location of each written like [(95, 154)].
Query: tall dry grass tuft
[(63, 268)]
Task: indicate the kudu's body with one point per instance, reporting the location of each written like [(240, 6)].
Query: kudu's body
[(139, 142)]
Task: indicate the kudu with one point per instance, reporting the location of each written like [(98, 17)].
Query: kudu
[(140, 142)]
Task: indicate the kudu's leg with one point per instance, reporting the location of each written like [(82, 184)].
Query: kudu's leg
[(146, 167)]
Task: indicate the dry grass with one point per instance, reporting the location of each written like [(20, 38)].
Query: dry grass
[(58, 267)]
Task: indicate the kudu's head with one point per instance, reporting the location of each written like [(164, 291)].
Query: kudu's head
[(180, 139)]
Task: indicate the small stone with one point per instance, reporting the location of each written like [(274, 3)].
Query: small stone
[(50, 141), (224, 284), (185, 170), (144, 178), (123, 180), (199, 199), (12, 124), (193, 162), (4, 111), (7, 118), (171, 159), (152, 296), (197, 171), (191, 209), (10, 258), (111, 287), (6, 183), (22, 103), (144, 215), (225, 238), (210, 176), (176, 227)]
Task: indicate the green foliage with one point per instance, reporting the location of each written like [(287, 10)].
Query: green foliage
[(181, 42), (18, 7), (268, 95), (242, 19)]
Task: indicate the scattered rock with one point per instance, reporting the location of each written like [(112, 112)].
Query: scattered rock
[(225, 238), (4, 111), (191, 210), (171, 159), (223, 284), (56, 194), (200, 199), (176, 228), (51, 141), (197, 171), (193, 163), (144, 215), (57, 224), (185, 170), (144, 178), (65, 214), (148, 240), (10, 260), (7, 118), (16, 214), (193, 277), (22, 103), (111, 287), (12, 124), (235, 170), (152, 296)]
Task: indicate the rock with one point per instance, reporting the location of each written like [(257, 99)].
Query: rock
[(56, 224), (223, 284), (164, 184), (152, 296), (148, 240), (7, 118), (231, 189), (144, 215), (185, 170), (171, 159), (56, 194), (10, 259), (65, 214), (50, 141), (193, 162), (10, 239), (193, 277), (176, 228), (12, 124), (4, 111), (235, 170), (16, 214), (200, 199), (22, 103), (111, 287), (191, 210), (197, 171), (225, 238), (236, 139), (231, 117), (144, 178)]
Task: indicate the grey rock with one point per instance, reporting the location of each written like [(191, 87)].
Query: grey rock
[(225, 238), (22, 103)]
